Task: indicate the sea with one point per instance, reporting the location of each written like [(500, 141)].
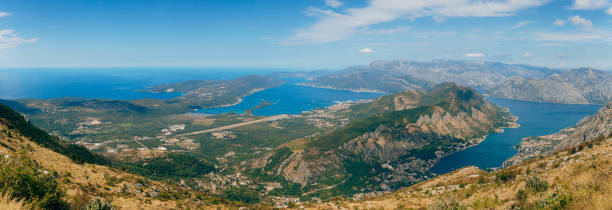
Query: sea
[(536, 119)]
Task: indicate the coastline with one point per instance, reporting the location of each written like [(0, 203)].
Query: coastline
[(512, 123), (362, 90)]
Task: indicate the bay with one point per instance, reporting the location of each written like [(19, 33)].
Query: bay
[(536, 119)]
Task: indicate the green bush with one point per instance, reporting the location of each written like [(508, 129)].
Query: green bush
[(521, 195), (536, 184), (28, 182), (97, 204)]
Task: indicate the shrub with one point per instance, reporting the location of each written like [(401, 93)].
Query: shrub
[(521, 195), (536, 184), (97, 204), (506, 175), (26, 181)]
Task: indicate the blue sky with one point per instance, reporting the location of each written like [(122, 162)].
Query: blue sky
[(302, 34)]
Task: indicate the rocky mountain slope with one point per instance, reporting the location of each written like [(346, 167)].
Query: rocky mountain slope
[(391, 149), (577, 86), (599, 124), (398, 75)]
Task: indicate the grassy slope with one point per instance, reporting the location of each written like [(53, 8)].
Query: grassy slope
[(80, 182)]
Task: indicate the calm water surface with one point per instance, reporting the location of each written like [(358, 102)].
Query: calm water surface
[(536, 119), (125, 83), (291, 98), (107, 83)]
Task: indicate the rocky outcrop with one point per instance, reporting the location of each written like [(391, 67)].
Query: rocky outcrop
[(578, 86), (588, 128)]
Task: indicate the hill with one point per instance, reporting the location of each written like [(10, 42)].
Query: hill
[(576, 86), (391, 149), (34, 174)]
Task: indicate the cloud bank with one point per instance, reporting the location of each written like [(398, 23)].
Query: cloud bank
[(335, 26)]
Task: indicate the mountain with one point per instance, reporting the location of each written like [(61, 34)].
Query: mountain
[(391, 149), (576, 86), (395, 76), (595, 126)]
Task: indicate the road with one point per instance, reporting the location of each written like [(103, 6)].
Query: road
[(227, 127)]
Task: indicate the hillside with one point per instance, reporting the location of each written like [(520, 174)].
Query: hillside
[(398, 75), (391, 149), (43, 178), (599, 124), (575, 178), (576, 86)]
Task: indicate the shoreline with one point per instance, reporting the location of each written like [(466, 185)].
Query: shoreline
[(363, 90), (477, 141)]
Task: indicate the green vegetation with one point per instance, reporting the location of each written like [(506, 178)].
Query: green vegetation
[(24, 180), (97, 204), (175, 165), (242, 194), (536, 184)]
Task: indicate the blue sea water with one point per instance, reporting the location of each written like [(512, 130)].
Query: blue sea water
[(536, 119), (125, 83), (107, 83), (291, 98)]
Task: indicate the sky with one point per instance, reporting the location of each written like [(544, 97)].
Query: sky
[(302, 34)]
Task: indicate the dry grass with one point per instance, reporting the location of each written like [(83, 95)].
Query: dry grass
[(8, 203), (81, 182)]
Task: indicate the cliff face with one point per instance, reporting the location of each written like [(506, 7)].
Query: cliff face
[(578, 86), (588, 128), (396, 148)]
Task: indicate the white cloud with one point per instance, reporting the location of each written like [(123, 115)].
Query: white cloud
[(336, 26), (526, 55), (9, 39), (368, 31), (590, 4), (474, 55), (559, 22), (572, 37), (333, 3), (609, 11), (366, 50), (580, 21), (4, 14), (551, 44), (522, 23)]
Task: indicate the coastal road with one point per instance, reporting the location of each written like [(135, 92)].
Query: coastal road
[(227, 127)]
